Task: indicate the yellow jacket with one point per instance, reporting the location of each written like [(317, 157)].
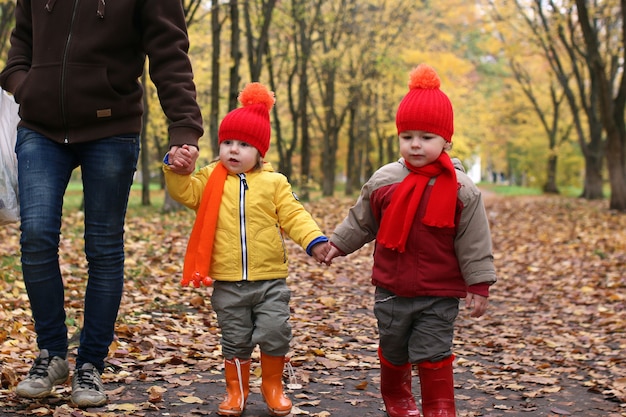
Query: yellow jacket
[(249, 242)]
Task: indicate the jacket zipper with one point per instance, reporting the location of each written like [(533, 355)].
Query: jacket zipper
[(282, 242), (243, 187), (63, 73)]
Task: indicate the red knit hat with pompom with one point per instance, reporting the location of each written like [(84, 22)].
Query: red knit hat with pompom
[(250, 123), (425, 107)]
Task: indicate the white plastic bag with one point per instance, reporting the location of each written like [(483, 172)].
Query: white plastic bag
[(9, 199)]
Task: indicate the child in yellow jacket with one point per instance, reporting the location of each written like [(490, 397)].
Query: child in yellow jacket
[(243, 207)]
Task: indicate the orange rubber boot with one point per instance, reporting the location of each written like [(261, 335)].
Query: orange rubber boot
[(395, 388), (237, 375), (437, 381), (272, 385)]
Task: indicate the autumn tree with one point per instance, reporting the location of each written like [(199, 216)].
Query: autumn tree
[(555, 30), (339, 69), (604, 32), (331, 109), (550, 117), (293, 46), (453, 43), (257, 18), (192, 9), (235, 55), (345, 50), (371, 102), (216, 47), (347, 66), (585, 52)]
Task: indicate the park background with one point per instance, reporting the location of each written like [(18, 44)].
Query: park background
[(538, 87), (539, 91)]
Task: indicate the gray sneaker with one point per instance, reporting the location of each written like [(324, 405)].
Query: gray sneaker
[(87, 387), (43, 376)]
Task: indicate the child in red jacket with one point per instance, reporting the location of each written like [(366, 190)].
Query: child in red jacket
[(433, 247)]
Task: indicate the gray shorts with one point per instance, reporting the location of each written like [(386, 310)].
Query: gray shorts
[(415, 329), (251, 313)]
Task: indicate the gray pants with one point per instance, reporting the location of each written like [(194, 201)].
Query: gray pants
[(415, 329), (251, 313)]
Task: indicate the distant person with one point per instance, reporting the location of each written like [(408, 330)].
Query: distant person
[(243, 207), (73, 67), (433, 247)]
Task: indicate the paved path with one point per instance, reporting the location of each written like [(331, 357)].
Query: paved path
[(348, 390)]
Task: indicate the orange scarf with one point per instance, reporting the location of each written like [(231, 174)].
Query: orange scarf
[(440, 211), (200, 245)]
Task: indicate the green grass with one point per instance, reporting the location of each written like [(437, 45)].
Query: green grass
[(509, 190), (74, 198), (74, 195), (516, 190)]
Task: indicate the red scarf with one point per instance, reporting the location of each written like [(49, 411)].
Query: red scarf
[(200, 245), (440, 211)]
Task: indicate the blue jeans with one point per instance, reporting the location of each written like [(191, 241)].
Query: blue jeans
[(44, 170)]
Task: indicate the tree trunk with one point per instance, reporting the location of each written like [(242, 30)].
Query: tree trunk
[(216, 30), (235, 55), (302, 104), (592, 189), (331, 129), (550, 186), (329, 162), (258, 47), (145, 154), (617, 174), (305, 150), (352, 169), (191, 7)]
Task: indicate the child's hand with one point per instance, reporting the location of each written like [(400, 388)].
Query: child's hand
[(319, 251), (477, 303), (182, 159), (332, 253)]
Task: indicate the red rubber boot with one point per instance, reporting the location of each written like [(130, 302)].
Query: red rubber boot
[(395, 387), (437, 383)]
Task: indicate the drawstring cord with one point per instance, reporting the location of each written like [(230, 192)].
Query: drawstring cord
[(50, 5), (101, 5), (293, 380), (239, 380)]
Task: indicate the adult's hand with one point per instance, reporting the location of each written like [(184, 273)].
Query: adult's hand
[(182, 159)]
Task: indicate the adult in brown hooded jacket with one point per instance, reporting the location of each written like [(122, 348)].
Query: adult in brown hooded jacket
[(73, 67)]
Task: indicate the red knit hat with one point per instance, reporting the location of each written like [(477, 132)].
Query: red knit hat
[(250, 123), (425, 107)]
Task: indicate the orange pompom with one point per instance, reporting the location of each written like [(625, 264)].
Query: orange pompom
[(424, 76), (257, 93), (196, 279)]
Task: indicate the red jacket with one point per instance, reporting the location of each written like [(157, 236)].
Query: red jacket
[(74, 65), (428, 266), (437, 261)]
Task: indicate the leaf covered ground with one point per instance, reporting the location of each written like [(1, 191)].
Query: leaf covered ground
[(551, 344)]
